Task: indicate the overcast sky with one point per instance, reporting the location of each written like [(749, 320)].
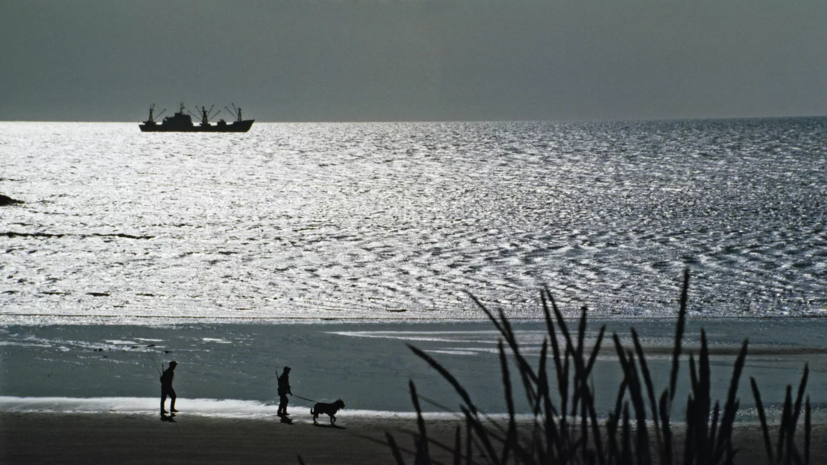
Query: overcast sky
[(411, 60)]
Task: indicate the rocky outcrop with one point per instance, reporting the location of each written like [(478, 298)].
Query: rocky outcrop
[(6, 201)]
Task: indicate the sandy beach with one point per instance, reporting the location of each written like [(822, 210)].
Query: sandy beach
[(125, 439), (141, 439)]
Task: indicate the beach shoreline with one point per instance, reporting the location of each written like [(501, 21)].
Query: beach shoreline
[(232, 368), (80, 395)]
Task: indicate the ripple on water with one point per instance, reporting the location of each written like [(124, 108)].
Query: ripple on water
[(361, 220)]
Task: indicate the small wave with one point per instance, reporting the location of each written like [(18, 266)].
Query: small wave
[(11, 234), (219, 408), (135, 405), (23, 344)]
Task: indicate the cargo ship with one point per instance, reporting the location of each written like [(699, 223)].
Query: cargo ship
[(182, 122)]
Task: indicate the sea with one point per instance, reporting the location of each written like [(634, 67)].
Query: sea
[(331, 247)]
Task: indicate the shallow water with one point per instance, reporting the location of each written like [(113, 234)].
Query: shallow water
[(397, 221), (230, 369)]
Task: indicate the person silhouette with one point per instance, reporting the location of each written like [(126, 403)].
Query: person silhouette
[(284, 389), (166, 388)]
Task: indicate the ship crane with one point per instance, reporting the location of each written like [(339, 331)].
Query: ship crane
[(236, 111), (207, 115), (189, 112), (152, 117)]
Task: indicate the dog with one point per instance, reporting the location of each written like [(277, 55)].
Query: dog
[(329, 409)]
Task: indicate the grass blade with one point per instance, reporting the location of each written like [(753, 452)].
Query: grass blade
[(481, 433), (679, 329), (731, 406), (423, 455), (807, 432), (667, 429), (762, 418), (782, 430), (555, 347), (397, 454), (800, 397), (510, 438), (650, 390), (448, 377), (458, 447)]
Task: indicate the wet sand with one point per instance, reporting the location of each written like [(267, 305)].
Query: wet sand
[(125, 439), (140, 439)]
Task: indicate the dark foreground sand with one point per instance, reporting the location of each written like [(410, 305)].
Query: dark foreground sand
[(124, 439), (140, 439)]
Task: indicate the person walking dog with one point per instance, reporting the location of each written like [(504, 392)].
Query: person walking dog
[(284, 389), (166, 388)]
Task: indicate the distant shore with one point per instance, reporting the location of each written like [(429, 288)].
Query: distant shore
[(123, 439)]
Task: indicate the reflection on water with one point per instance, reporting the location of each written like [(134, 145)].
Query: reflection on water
[(396, 221)]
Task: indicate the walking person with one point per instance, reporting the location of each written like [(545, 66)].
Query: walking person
[(284, 389), (166, 388)]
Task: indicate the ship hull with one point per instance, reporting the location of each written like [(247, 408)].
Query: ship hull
[(236, 126)]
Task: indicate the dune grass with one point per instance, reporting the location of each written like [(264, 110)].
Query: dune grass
[(565, 428)]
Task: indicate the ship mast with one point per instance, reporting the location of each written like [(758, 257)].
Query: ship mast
[(207, 115), (237, 111), (152, 117)]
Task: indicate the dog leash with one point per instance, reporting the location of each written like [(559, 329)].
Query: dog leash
[(305, 398)]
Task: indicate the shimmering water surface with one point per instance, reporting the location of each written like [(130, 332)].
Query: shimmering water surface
[(397, 221)]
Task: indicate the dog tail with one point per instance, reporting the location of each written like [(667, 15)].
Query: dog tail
[(311, 411)]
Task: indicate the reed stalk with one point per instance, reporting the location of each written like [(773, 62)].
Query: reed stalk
[(566, 428)]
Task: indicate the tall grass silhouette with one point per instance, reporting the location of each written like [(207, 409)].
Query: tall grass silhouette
[(564, 426)]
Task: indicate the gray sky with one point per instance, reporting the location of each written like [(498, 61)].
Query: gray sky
[(376, 60)]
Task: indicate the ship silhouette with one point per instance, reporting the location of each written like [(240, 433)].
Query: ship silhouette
[(182, 122)]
